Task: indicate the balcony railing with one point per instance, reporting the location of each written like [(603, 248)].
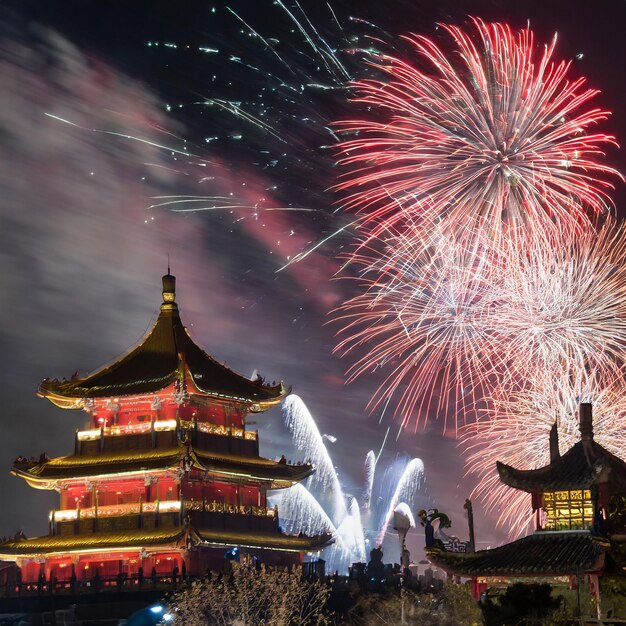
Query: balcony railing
[(217, 429), (164, 426), (164, 506), (221, 507), (94, 584)]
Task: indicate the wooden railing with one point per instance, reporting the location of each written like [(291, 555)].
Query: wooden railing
[(241, 509), (165, 426), (95, 584), (165, 506), (114, 510)]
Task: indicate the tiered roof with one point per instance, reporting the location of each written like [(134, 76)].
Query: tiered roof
[(45, 473), (165, 352), (61, 544), (172, 537)]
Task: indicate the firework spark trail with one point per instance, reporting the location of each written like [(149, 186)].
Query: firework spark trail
[(148, 142), (421, 312), (489, 133), (266, 43), (325, 53), (216, 203), (294, 65), (305, 253), (237, 110), (515, 430)]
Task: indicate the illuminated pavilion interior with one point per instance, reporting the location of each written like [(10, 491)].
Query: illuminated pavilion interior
[(166, 477)]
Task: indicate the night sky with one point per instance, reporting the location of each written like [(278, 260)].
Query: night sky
[(85, 233)]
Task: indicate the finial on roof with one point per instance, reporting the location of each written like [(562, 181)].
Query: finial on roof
[(554, 443), (168, 263), (585, 421), (169, 289)]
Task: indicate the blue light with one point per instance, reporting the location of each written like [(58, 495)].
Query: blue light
[(157, 609)]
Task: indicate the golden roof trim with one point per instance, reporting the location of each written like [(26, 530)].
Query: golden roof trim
[(42, 475), (269, 541), (62, 544)]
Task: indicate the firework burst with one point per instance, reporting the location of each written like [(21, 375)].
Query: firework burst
[(560, 303), (450, 319), (422, 314), (487, 133)]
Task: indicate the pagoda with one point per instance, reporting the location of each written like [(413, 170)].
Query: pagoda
[(579, 501), (166, 479)]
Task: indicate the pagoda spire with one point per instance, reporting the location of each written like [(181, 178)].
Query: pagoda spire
[(169, 291), (554, 443)]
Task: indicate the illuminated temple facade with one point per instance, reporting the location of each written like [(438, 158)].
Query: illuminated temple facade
[(579, 500), (166, 477)]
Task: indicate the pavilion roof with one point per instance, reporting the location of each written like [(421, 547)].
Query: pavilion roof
[(584, 464), (45, 473), (541, 554), (171, 536), (167, 353), (51, 544)]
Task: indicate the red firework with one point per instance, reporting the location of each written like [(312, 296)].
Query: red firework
[(488, 132)]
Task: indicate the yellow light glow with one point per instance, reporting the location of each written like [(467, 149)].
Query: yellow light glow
[(88, 435), (169, 505), (65, 515), (568, 510)]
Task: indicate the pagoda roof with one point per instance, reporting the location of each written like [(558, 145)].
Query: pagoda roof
[(45, 473), (541, 554), (270, 541), (166, 354), (586, 463), (281, 474), (171, 536), (96, 541)]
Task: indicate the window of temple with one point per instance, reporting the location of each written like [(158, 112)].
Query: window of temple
[(120, 493), (222, 493), (193, 490), (166, 490), (61, 570), (85, 571), (76, 497), (106, 568), (212, 414), (568, 509), (249, 496), (164, 563), (30, 572)]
